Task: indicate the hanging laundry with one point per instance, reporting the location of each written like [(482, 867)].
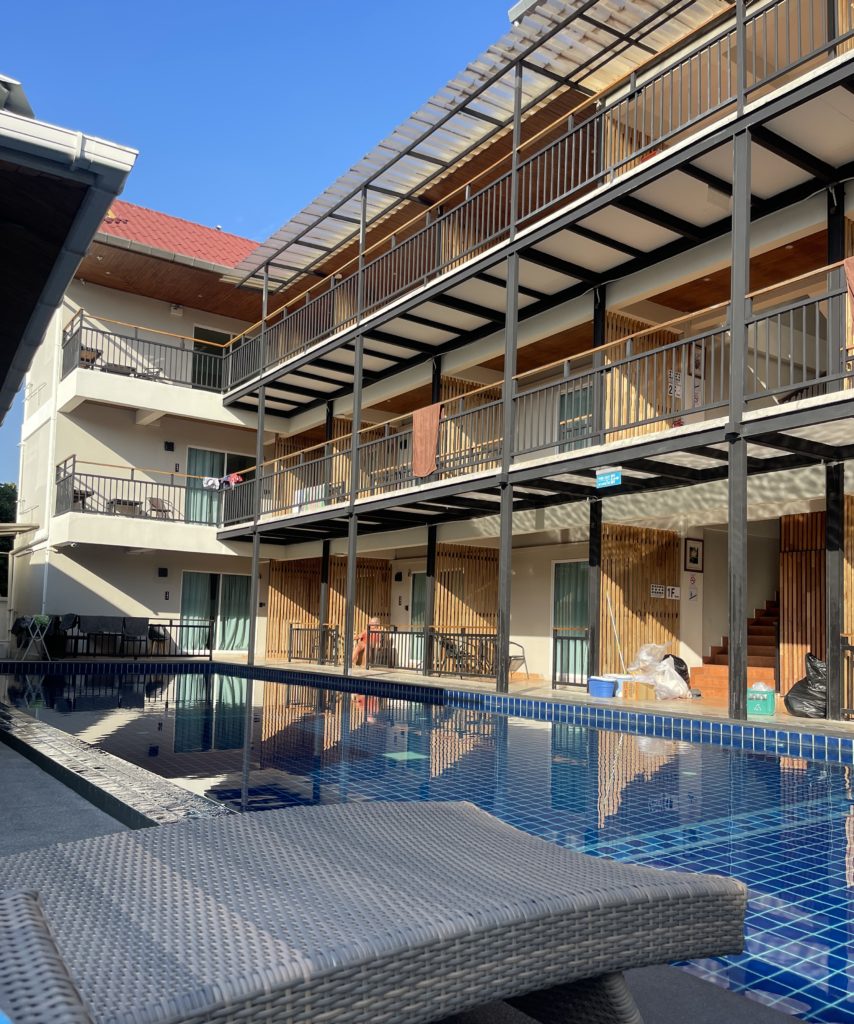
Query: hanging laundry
[(210, 483)]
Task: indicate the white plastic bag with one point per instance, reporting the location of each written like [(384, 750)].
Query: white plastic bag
[(648, 658), (669, 685)]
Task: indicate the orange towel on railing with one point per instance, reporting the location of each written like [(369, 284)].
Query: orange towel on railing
[(425, 439), (849, 280)]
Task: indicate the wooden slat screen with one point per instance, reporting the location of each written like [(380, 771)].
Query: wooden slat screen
[(466, 588), (294, 596), (802, 589), (634, 559)]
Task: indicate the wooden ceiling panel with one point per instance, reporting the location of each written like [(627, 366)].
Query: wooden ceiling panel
[(141, 274)]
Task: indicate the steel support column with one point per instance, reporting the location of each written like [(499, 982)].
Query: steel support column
[(429, 600), (350, 605), (505, 576), (737, 571), (514, 155), (834, 584), (505, 547), (737, 457), (837, 313), (323, 610), (436, 380), (594, 586), (599, 338)]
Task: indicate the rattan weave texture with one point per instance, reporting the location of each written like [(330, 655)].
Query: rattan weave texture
[(354, 913), (35, 985)]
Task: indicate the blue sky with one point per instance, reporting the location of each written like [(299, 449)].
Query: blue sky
[(242, 113)]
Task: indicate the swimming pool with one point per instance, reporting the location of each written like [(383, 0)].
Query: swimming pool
[(783, 824)]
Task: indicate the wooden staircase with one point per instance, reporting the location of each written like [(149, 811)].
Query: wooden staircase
[(712, 677)]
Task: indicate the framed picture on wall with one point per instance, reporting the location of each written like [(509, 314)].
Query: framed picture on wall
[(693, 555)]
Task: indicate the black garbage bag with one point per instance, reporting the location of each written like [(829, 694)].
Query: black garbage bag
[(808, 697), (681, 667)]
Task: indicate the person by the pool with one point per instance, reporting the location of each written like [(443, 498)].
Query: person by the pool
[(361, 645)]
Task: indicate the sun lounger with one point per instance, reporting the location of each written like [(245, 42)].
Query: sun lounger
[(362, 912)]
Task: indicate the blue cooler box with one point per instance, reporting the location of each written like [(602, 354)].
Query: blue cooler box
[(597, 686)]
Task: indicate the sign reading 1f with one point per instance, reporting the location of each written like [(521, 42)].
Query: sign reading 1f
[(609, 477)]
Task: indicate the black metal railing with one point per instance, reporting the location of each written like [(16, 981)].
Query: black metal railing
[(130, 496), (184, 637), (570, 656), (317, 644), (847, 668), (395, 648), (463, 653), (672, 97), (129, 352)]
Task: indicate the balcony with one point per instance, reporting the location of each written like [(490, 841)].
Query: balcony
[(126, 350), (798, 348), (673, 97), (133, 494)]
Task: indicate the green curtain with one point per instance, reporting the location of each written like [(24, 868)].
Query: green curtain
[(569, 614), (233, 629), (193, 713), (202, 505), (198, 601), (230, 713), (417, 617)]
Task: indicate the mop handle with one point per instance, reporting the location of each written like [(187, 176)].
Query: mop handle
[(616, 634)]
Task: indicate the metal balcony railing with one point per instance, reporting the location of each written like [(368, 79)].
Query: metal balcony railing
[(663, 102), (124, 492), (796, 348), (125, 350)]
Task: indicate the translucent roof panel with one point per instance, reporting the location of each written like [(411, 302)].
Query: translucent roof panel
[(587, 43)]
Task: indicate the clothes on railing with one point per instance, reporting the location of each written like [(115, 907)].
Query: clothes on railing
[(221, 483), (425, 439)]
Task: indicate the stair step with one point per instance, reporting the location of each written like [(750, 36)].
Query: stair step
[(761, 629), (754, 660), (761, 640)]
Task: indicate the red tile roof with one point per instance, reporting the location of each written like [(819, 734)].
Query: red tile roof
[(173, 234)]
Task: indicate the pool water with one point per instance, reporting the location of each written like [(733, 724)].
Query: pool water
[(783, 825)]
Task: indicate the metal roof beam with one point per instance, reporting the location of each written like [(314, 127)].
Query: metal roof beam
[(781, 147), (817, 450), (523, 289), (611, 243), (402, 196), (707, 178), (562, 266), (472, 308), (663, 220), (424, 321)]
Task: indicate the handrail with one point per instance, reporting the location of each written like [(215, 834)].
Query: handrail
[(142, 469), (139, 327), (795, 280), (587, 103)]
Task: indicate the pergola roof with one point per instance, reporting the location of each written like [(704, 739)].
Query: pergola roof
[(584, 44)]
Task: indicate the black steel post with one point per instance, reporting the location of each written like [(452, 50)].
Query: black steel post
[(436, 380), (514, 155), (834, 542), (737, 460), (737, 562), (505, 547), (740, 55), (323, 610), (599, 337), (505, 576), (594, 586), (429, 601), (350, 606), (836, 317)]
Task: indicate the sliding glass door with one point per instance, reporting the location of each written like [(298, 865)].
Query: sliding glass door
[(202, 504), (221, 597)]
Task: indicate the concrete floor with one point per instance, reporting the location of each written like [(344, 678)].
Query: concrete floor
[(36, 810)]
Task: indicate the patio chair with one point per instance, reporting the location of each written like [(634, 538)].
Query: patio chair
[(134, 637), (309, 914), (160, 508), (517, 658)]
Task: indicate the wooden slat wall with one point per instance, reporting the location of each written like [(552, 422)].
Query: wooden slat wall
[(802, 580), (294, 596), (466, 588), (802, 589), (633, 558), (631, 394), (474, 437)]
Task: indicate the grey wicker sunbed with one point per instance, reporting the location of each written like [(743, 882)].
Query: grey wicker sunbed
[(366, 912)]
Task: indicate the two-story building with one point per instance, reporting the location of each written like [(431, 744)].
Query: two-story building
[(560, 368)]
